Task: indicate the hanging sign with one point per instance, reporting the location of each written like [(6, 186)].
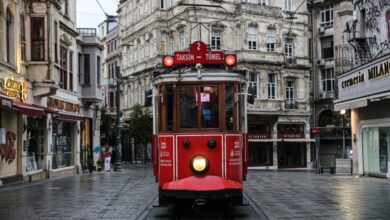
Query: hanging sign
[(15, 87), (199, 54)]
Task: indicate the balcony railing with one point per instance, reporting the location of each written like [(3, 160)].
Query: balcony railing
[(291, 105)]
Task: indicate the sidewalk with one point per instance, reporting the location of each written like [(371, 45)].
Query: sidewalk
[(100, 195), (291, 195)]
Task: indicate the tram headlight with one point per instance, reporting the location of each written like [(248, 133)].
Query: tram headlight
[(199, 164)]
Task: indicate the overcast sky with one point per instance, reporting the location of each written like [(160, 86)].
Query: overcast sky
[(89, 14)]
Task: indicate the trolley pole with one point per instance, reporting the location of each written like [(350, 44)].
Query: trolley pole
[(118, 145)]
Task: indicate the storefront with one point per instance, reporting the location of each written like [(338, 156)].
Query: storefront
[(366, 92), (288, 147), (65, 135), (292, 147)]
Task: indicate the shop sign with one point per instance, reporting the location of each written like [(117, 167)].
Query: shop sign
[(14, 87), (258, 136), (364, 81), (290, 131), (7, 150), (62, 105)]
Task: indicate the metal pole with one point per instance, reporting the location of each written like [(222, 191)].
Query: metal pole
[(342, 127), (317, 138), (118, 147)]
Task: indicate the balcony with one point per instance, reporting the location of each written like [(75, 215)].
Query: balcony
[(290, 105), (87, 32), (109, 82)]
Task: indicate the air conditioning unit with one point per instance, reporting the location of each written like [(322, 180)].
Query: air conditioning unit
[(323, 95), (290, 60), (321, 62), (321, 30)]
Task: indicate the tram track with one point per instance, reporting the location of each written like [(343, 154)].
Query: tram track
[(214, 211)]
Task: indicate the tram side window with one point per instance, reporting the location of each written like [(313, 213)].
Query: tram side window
[(229, 117), (170, 104), (209, 106), (188, 108)]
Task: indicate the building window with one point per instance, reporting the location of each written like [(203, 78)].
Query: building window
[(271, 39), (37, 39), (163, 43), (55, 42), (182, 40), (253, 81), (87, 72), (271, 86), (67, 7), (239, 38), (388, 23), (327, 47), (22, 39), (327, 78), (64, 68), (290, 91), (288, 5), (252, 38), (79, 67), (289, 47), (9, 34), (171, 44), (327, 15), (263, 2), (111, 99), (216, 40), (98, 70), (244, 1), (70, 70), (162, 4)]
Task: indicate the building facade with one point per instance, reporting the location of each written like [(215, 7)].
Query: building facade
[(364, 87), (42, 110), (270, 39), (89, 80), (328, 21)]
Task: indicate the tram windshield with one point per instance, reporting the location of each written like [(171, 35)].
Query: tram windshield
[(198, 107)]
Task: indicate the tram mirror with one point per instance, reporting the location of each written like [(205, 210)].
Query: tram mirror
[(148, 97), (251, 95)]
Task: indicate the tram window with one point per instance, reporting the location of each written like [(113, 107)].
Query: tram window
[(209, 106), (229, 117), (188, 109), (170, 104)]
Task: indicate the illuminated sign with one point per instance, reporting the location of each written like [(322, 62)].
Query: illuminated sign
[(14, 87), (63, 105)]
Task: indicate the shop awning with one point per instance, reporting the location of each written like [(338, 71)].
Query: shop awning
[(298, 140), (264, 140), (70, 116), (282, 140), (5, 100), (28, 109)]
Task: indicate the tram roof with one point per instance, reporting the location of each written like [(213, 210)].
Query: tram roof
[(208, 74)]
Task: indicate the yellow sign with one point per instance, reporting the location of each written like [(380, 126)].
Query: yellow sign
[(14, 87)]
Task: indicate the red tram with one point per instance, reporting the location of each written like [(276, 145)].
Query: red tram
[(200, 134)]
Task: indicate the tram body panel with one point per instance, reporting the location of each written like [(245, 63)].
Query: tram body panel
[(198, 145)]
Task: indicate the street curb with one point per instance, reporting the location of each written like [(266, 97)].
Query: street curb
[(255, 207)]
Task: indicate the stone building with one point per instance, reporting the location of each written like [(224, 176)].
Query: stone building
[(41, 99), (270, 39), (328, 22), (364, 87)]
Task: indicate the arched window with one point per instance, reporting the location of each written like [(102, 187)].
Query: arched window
[(9, 34)]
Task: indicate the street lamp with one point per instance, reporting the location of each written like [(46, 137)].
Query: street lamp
[(118, 145), (342, 113)]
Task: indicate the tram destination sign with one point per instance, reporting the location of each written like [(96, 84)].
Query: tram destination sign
[(199, 54)]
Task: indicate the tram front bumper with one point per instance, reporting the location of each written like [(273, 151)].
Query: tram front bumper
[(206, 187)]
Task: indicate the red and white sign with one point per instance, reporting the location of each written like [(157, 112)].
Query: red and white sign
[(199, 54)]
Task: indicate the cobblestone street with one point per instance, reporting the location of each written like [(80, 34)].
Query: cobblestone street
[(307, 195), (127, 194)]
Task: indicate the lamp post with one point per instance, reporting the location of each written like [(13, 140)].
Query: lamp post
[(118, 145)]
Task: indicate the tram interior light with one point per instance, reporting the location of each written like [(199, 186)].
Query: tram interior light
[(230, 60), (168, 61)]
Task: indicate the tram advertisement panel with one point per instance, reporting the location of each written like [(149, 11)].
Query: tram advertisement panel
[(166, 157), (234, 157)]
